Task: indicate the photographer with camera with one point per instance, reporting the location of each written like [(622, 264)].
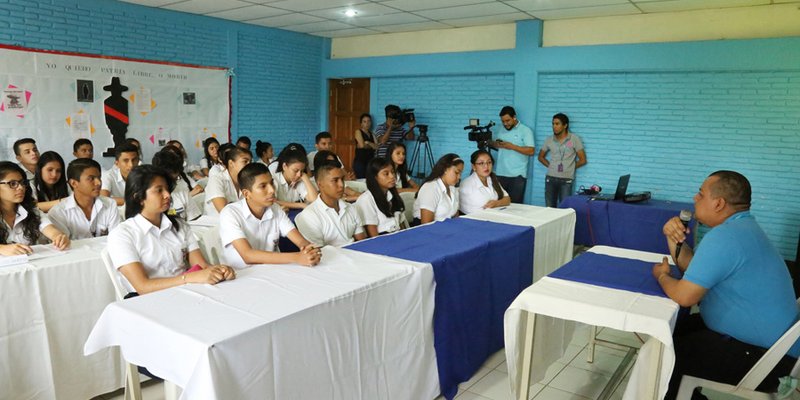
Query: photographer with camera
[(514, 147), (392, 130)]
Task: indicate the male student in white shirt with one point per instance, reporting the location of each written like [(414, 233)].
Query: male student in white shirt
[(250, 228), (329, 220), (27, 156), (86, 213), (126, 156)]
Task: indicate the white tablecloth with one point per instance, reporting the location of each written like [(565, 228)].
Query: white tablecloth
[(554, 300), (49, 308), (555, 232), (357, 326)]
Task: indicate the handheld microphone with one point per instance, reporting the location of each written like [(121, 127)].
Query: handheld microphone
[(686, 217)]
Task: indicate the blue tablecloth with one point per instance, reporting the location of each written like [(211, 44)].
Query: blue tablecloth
[(634, 226), (613, 272), (480, 268)]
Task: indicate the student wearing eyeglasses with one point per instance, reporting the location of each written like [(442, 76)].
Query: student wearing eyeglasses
[(481, 189), (22, 223)]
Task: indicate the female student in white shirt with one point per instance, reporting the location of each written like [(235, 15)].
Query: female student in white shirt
[(22, 223), (153, 250), (381, 207), (265, 152), (250, 228), (49, 184), (437, 199), (293, 187), (223, 188), (211, 152), (397, 153), (182, 204), (481, 189)]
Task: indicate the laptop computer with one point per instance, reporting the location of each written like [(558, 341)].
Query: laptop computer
[(622, 188)]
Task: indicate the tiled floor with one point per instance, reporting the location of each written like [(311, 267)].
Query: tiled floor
[(570, 378)]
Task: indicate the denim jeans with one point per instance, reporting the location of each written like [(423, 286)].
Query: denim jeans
[(556, 190), (515, 186)]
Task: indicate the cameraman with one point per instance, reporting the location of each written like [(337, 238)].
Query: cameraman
[(392, 130), (514, 147)]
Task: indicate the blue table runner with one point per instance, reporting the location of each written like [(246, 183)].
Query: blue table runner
[(613, 272), (480, 267)]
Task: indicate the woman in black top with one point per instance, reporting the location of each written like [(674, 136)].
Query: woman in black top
[(365, 146)]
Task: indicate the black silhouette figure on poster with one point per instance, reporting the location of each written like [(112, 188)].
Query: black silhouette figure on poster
[(13, 101), (116, 111)]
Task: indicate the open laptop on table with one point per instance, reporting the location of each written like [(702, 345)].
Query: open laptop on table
[(622, 187)]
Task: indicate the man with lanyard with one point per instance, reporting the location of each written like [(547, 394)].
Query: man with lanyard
[(566, 155), (740, 282), (392, 130), (514, 147)]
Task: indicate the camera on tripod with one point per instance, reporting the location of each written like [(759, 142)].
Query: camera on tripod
[(482, 135), (403, 115)]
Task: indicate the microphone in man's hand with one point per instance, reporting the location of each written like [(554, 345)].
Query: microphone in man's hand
[(686, 217)]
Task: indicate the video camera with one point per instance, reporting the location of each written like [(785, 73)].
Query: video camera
[(482, 135), (403, 115)]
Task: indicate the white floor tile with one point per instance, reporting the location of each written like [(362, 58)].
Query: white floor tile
[(550, 393), (552, 372), (495, 359), (579, 381), (570, 353), (471, 396), (494, 385), (475, 378), (604, 362)]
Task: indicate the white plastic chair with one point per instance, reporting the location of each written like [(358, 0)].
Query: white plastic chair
[(753, 378), (133, 387)]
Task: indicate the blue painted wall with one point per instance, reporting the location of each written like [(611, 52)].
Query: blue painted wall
[(445, 104), (668, 113), (276, 92)]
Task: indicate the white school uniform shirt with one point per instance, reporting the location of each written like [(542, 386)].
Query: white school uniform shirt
[(28, 174), (162, 251), (220, 185), (286, 192), (216, 169), (113, 182), (322, 225), (473, 195), (16, 234), (433, 196), (182, 202), (68, 217), (236, 221), (371, 215)]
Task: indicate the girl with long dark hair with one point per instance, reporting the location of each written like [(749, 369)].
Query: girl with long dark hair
[(437, 199), (22, 223), (481, 189), (293, 187), (211, 155), (397, 154), (49, 182), (152, 249), (381, 207)]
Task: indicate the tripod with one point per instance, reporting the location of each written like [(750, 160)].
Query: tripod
[(423, 142)]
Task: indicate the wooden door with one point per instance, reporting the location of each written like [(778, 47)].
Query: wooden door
[(348, 98)]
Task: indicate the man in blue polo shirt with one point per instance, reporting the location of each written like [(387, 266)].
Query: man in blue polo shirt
[(514, 147), (742, 286)]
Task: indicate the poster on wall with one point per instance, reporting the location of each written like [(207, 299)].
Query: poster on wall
[(56, 98)]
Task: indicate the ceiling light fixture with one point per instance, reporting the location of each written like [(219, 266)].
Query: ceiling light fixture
[(350, 13)]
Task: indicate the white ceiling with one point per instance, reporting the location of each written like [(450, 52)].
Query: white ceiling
[(326, 17)]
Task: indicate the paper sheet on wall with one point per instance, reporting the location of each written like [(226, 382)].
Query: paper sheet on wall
[(80, 126)]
